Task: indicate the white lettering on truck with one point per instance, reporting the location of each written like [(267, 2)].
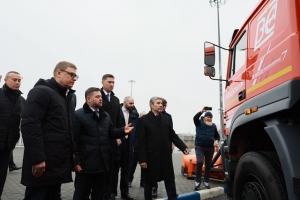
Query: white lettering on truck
[(265, 24)]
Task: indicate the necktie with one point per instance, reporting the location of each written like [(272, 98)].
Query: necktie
[(97, 112), (126, 120), (108, 97)]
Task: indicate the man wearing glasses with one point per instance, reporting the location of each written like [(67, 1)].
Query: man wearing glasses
[(47, 129)]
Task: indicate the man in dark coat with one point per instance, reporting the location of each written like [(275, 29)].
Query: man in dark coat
[(11, 104), (169, 117), (111, 105), (47, 129), (124, 151), (93, 127), (154, 135)]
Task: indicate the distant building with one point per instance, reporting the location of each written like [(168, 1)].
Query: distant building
[(188, 139)]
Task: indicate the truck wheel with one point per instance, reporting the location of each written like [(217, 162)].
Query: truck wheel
[(259, 176)]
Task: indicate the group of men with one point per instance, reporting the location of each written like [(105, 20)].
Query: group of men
[(95, 141)]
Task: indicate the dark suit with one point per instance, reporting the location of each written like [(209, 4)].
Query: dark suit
[(123, 154), (112, 107), (154, 136)]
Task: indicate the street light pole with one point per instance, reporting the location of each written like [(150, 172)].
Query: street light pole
[(131, 81), (218, 3)]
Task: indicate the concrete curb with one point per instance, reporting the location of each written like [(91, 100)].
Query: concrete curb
[(202, 194)]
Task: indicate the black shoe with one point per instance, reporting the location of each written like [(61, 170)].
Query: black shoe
[(154, 193), (126, 196), (112, 197), (129, 184), (14, 168), (142, 184)]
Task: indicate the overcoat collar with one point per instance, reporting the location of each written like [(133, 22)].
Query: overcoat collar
[(111, 95), (152, 118), (102, 114)]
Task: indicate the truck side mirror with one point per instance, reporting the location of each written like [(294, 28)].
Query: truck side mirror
[(209, 71), (209, 54)]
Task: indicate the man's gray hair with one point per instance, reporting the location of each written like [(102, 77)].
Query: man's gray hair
[(11, 72), (153, 99)]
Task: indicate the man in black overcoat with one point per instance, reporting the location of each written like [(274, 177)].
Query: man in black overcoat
[(47, 130), (154, 135), (93, 128), (111, 105), (11, 104)]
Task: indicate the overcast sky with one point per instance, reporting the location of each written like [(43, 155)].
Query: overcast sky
[(157, 43)]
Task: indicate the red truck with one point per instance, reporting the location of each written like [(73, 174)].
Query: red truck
[(261, 153)]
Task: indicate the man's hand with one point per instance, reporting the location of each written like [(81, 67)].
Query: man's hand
[(128, 128), (216, 143), (143, 165), (119, 142), (78, 168), (38, 169), (186, 151), (203, 109)]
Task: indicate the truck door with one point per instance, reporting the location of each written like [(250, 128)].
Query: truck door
[(235, 93)]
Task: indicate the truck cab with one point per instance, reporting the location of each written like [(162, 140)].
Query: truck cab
[(262, 103)]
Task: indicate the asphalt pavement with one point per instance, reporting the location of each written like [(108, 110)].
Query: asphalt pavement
[(13, 190)]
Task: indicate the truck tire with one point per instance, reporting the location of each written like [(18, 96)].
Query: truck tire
[(259, 176)]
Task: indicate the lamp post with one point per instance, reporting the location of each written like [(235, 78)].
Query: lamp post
[(217, 3), (131, 82)]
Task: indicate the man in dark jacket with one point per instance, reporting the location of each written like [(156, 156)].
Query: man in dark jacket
[(47, 129), (154, 135), (111, 105), (124, 151), (207, 137), (11, 104), (169, 117), (93, 127)]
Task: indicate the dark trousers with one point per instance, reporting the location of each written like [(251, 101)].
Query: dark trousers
[(124, 165), (170, 188), (43, 193), (89, 184), (108, 179), (4, 158), (202, 152), (132, 167), (155, 186), (11, 163)]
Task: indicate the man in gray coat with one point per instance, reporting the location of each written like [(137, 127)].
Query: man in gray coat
[(154, 135)]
